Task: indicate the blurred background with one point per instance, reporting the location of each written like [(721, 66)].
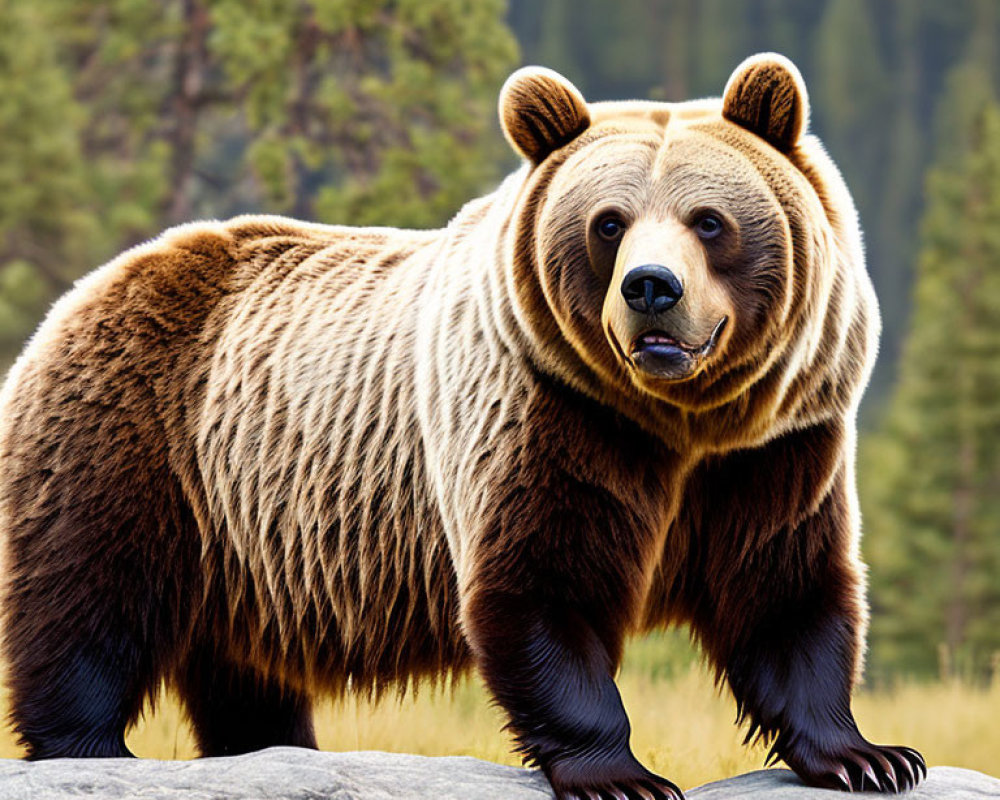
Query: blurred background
[(121, 117)]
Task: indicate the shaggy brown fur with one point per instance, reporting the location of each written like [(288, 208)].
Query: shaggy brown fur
[(264, 459)]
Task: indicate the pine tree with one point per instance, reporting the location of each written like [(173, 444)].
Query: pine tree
[(932, 478), (42, 172)]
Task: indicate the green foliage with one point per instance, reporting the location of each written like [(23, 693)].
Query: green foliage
[(367, 112), (850, 83), (932, 476), (43, 215), (22, 301), (121, 117), (664, 655)]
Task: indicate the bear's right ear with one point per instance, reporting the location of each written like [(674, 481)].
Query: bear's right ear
[(540, 111)]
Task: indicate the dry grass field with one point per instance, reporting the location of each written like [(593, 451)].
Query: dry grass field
[(682, 726)]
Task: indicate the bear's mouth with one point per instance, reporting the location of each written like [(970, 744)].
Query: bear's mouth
[(664, 356)]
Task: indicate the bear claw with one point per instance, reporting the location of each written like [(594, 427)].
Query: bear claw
[(637, 790), (839, 774), (868, 767), (869, 773)]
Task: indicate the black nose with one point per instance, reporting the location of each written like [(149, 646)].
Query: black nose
[(651, 288)]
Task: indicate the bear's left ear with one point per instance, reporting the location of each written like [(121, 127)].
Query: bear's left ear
[(767, 96), (540, 111)]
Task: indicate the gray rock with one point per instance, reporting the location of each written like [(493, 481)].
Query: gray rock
[(286, 773), (943, 783)]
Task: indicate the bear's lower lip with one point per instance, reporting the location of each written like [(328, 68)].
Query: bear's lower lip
[(661, 351), (661, 355)]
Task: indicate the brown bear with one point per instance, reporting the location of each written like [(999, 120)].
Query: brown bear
[(263, 460)]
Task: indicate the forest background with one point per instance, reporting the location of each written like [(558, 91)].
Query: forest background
[(119, 118)]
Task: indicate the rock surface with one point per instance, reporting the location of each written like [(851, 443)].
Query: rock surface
[(285, 773)]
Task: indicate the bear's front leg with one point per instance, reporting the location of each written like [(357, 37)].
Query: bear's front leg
[(553, 674), (793, 683), (793, 614), (568, 512)]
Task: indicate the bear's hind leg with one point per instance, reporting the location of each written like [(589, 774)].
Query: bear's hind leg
[(84, 632), (235, 710), (75, 699)]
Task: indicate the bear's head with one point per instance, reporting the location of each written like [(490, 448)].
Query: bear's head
[(691, 254)]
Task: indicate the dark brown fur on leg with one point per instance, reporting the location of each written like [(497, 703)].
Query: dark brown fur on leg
[(77, 705), (79, 672), (550, 671), (792, 657), (792, 681), (548, 608), (101, 564), (235, 710)]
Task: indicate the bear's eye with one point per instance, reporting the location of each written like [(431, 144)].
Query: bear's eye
[(610, 227), (708, 226)]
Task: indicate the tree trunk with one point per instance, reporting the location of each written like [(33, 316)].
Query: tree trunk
[(189, 79), (676, 26), (964, 504)]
